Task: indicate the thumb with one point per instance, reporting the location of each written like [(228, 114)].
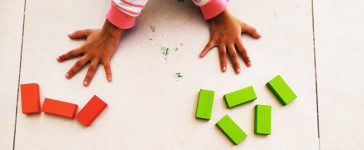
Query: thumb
[(80, 34), (250, 30)]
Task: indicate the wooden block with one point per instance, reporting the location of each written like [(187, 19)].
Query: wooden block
[(240, 97), (59, 108), (30, 100), (281, 90), (205, 103), (263, 119), (91, 110), (231, 130)]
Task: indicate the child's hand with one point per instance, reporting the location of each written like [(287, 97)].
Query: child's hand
[(225, 32), (98, 48)]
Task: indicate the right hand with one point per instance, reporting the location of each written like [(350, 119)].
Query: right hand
[(99, 47)]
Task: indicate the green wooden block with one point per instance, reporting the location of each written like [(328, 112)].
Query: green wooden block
[(281, 90), (240, 97), (263, 119), (205, 103), (231, 130)]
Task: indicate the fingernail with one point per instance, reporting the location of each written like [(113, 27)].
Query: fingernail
[(59, 58), (237, 71), (249, 64), (202, 54), (85, 83), (109, 79), (223, 69), (69, 35), (259, 36), (67, 75)]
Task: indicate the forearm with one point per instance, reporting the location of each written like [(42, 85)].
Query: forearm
[(123, 13), (211, 8), (220, 18), (111, 30)]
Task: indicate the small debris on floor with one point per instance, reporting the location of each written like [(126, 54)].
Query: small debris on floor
[(165, 52), (178, 75)]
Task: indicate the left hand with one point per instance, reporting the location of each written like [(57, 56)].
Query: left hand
[(225, 33)]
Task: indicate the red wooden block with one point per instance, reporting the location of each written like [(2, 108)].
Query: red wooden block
[(59, 108), (91, 110), (30, 100)]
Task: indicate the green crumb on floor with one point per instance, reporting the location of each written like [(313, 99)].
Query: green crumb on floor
[(178, 75), (180, 1), (165, 51)]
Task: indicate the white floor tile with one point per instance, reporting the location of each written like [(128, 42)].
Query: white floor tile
[(11, 22), (339, 44), (148, 107)]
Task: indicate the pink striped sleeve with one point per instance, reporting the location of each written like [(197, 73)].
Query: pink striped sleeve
[(122, 13), (211, 8)]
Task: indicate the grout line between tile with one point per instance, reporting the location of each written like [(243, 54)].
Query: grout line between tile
[(315, 64), (20, 64)]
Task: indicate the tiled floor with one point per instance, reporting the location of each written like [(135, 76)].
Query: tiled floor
[(315, 45), (11, 24), (340, 50)]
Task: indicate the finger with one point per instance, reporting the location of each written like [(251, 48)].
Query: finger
[(77, 67), (69, 55), (80, 34), (222, 57), (234, 58), (250, 30), (107, 68), (207, 48), (91, 72), (244, 54)]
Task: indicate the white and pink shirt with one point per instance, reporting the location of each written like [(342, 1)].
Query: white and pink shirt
[(122, 13)]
